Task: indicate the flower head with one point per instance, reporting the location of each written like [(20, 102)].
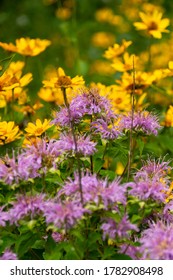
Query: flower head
[(26, 206), (117, 50), (38, 128), (8, 132), (111, 228), (85, 146), (95, 190), (142, 121), (63, 214), (153, 23), (63, 81), (27, 46), (8, 255), (157, 242), (151, 181)]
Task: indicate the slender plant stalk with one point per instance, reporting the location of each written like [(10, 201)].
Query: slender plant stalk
[(131, 128), (75, 144)]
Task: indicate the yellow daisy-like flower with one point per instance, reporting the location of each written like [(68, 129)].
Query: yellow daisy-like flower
[(126, 64), (27, 46), (153, 23), (38, 128), (8, 132), (63, 81), (117, 50), (142, 81)]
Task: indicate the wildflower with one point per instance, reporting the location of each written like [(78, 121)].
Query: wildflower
[(142, 121), (63, 214), (102, 39), (126, 64), (88, 103), (38, 128), (120, 99), (40, 156), (8, 170), (63, 81), (27, 46), (117, 50), (112, 229), (8, 132), (8, 255), (169, 117), (51, 95), (151, 181), (153, 24), (95, 190), (142, 81), (85, 146), (157, 242), (108, 130), (26, 206)]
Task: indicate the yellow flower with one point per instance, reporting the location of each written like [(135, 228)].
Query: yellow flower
[(142, 81), (27, 46), (120, 100), (8, 132), (117, 49), (102, 39), (38, 128), (63, 81), (169, 117), (126, 64), (51, 95), (102, 68), (153, 23), (63, 13)]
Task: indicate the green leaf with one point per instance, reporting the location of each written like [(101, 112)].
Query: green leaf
[(25, 242), (98, 163)]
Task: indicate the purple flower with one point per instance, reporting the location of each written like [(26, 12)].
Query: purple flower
[(63, 214), (95, 190), (42, 156), (8, 170), (107, 129), (86, 103), (130, 250), (142, 121), (85, 146), (111, 228), (157, 242), (151, 181), (26, 206), (8, 255)]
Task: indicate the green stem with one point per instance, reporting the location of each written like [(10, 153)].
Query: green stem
[(75, 144), (131, 128)]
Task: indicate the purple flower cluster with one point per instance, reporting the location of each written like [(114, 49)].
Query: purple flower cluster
[(86, 103), (26, 206), (85, 146), (63, 214), (142, 121), (107, 128), (112, 229), (30, 162), (95, 190), (157, 242), (151, 181), (8, 255)]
